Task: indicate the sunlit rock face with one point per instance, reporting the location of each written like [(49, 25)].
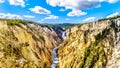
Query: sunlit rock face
[(92, 45), (26, 46)]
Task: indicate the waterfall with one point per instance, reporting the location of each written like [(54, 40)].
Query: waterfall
[(63, 35)]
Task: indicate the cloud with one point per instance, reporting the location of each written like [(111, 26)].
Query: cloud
[(2, 1), (28, 16), (51, 17), (73, 4), (39, 10), (17, 2), (67, 19), (112, 1), (76, 13), (78, 4), (112, 15), (62, 10), (89, 19), (10, 16)]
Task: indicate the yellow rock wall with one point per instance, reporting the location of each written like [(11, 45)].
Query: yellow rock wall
[(26, 46)]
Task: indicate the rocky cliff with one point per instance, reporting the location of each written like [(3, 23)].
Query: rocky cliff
[(26, 45), (92, 45)]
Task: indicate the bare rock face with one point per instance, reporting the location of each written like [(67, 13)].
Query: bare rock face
[(26, 46), (93, 45)]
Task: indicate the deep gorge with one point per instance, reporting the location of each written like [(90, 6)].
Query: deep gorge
[(30, 45)]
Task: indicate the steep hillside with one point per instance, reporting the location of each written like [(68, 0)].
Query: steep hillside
[(93, 45), (26, 45)]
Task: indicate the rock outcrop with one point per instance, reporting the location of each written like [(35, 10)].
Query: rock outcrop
[(26, 45), (92, 45)]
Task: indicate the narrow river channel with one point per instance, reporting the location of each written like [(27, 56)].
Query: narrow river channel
[(54, 52), (55, 58)]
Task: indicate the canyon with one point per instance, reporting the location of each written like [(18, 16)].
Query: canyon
[(88, 45)]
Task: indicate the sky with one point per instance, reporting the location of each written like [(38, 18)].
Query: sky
[(59, 11)]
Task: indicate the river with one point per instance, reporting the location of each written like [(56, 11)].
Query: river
[(54, 52)]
